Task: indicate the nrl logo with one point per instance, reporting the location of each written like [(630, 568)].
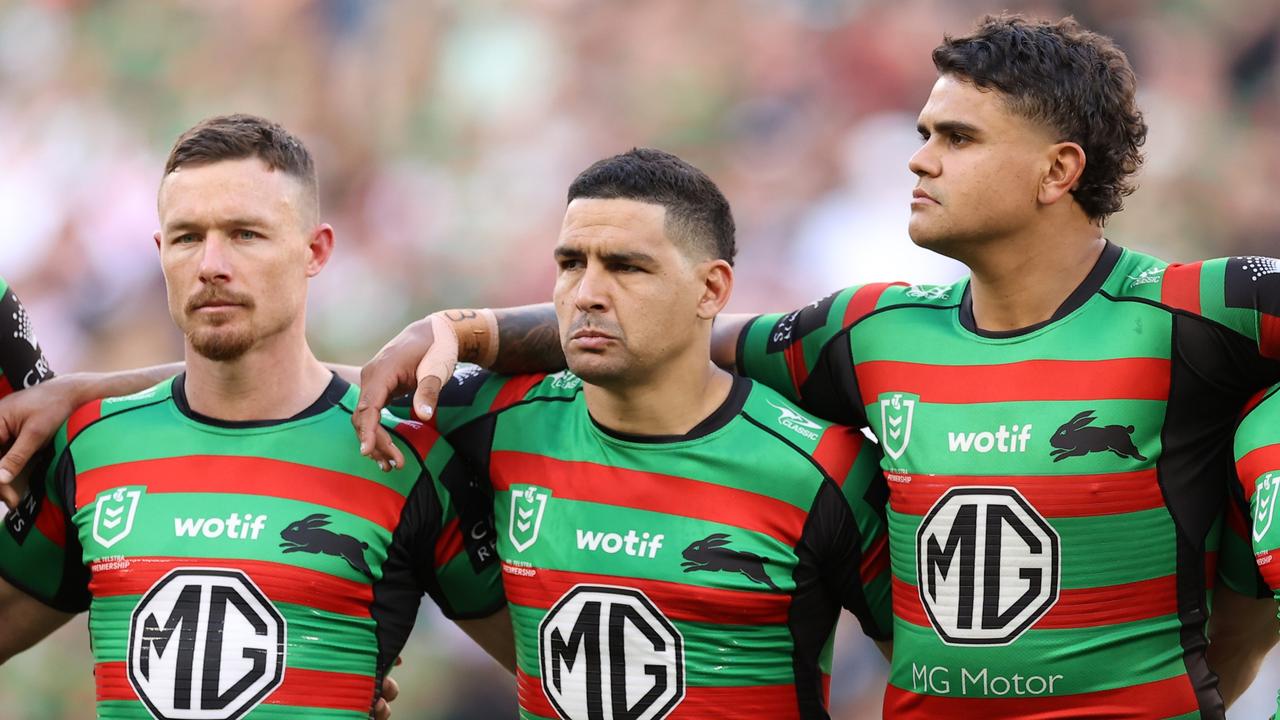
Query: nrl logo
[(896, 412), (528, 503), (1146, 277), (113, 514), (929, 292), (1264, 507)]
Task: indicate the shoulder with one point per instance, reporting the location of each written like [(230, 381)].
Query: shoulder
[(114, 410), (484, 391), (1228, 290), (831, 449)]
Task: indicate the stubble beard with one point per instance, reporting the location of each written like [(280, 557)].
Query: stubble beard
[(221, 344)]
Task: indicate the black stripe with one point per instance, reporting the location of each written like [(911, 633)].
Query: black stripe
[(330, 397)]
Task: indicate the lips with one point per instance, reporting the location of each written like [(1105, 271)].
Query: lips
[(920, 196)]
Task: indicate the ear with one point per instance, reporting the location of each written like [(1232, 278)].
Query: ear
[(1082, 419), (319, 248), (717, 285), (1066, 163), (156, 236)]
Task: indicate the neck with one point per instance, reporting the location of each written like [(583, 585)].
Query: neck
[(1020, 282), (673, 402), (277, 379)]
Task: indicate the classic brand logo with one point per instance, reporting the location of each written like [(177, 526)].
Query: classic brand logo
[(205, 644), (608, 653), (528, 503), (565, 380), (896, 412), (1264, 505), (987, 565), (113, 514), (712, 554), (929, 292), (309, 536), (791, 419), (1077, 437), (1147, 277)]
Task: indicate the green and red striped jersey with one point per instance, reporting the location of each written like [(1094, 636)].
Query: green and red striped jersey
[(1257, 453), (21, 362), (1057, 492), (243, 569), (688, 576)]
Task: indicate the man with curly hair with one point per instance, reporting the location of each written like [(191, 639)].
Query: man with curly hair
[(1056, 427)]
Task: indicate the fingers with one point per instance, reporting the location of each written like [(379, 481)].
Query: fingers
[(19, 454), (436, 368), (366, 418), (385, 452), (382, 711), (390, 688), (9, 496)]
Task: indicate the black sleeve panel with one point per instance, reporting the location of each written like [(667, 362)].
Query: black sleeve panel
[(831, 391), (21, 360), (407, 572)]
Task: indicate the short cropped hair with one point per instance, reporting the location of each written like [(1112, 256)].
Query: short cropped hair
[(1075, 81), (697, 212), (239, 136)]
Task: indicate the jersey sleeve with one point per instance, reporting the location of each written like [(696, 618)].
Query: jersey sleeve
[(1255, 527), (1240, 293), (40, 551), (22, 364), (848, 532), (805, 354)]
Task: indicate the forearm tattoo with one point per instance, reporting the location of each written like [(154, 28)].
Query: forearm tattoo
[(528, 340)]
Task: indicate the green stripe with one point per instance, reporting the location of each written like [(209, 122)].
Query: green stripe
[(318, 640), (1088, 659), (1096, 551), (714, 655), (541, 429), (526, 715), (130, 710), (466, 592), (1213, 300)]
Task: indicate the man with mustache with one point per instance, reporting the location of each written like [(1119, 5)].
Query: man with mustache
[(1056, 427), (235, 552)]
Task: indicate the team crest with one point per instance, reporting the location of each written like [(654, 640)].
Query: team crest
[(528, 503), (1264, 506), (896, 412), (113, 514)]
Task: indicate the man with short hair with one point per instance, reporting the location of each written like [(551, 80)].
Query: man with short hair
[(1056, 427), (237, 556), (674, 539)]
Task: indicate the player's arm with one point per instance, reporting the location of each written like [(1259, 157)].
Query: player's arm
[(495, 636), (24, 621), (1242, 630)]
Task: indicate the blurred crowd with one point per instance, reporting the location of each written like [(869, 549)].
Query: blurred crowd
[(446, 134)]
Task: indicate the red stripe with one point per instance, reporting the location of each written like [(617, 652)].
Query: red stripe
[(249, 476), (1269, 566), (449, 544), (1181, 287), (281, 583), (52, 523), (1159, 699), (1269, 335), (591, 482), (299, 688), (796, 364), (875, 561), (515, 390), (1256, 463), (83, 415), (422, 437), (1052, 495), (676, 600), (838, 450), (1027, 381), (1254, 401), (864, 300), (751, 702), (5, 387), (1078, 608)]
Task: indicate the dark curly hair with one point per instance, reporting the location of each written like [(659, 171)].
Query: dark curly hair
[(1069, 78)]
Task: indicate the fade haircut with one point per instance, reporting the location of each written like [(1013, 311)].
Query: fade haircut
[(1072, 80), (239, 136), (697, 212)]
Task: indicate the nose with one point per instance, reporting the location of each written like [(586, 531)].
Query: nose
[(925, 163), (215, 264), (592, 292)]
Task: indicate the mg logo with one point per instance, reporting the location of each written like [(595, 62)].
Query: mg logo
[(205, 644), (896, 412), (113, 514), (528, 503), (987, 565), (1264, 505), (607, 653)]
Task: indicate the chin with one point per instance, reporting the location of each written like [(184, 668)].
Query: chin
[(222, 344), (597, 370)]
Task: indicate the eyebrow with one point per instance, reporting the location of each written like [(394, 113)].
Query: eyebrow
[(949, 126), (247, 221), (631, 258)]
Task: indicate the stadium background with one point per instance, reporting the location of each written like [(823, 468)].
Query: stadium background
[(446, 133)]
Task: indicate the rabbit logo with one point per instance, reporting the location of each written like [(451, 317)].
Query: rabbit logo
[(896, 412), (1264, 508), (309, 536), (712, 554), (1078, 437)]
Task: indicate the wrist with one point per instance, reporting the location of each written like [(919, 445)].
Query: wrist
[(476, 332)]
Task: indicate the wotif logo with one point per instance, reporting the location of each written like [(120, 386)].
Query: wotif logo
[(791, 419), (235, 526), (1001, 440), (633, 544)]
